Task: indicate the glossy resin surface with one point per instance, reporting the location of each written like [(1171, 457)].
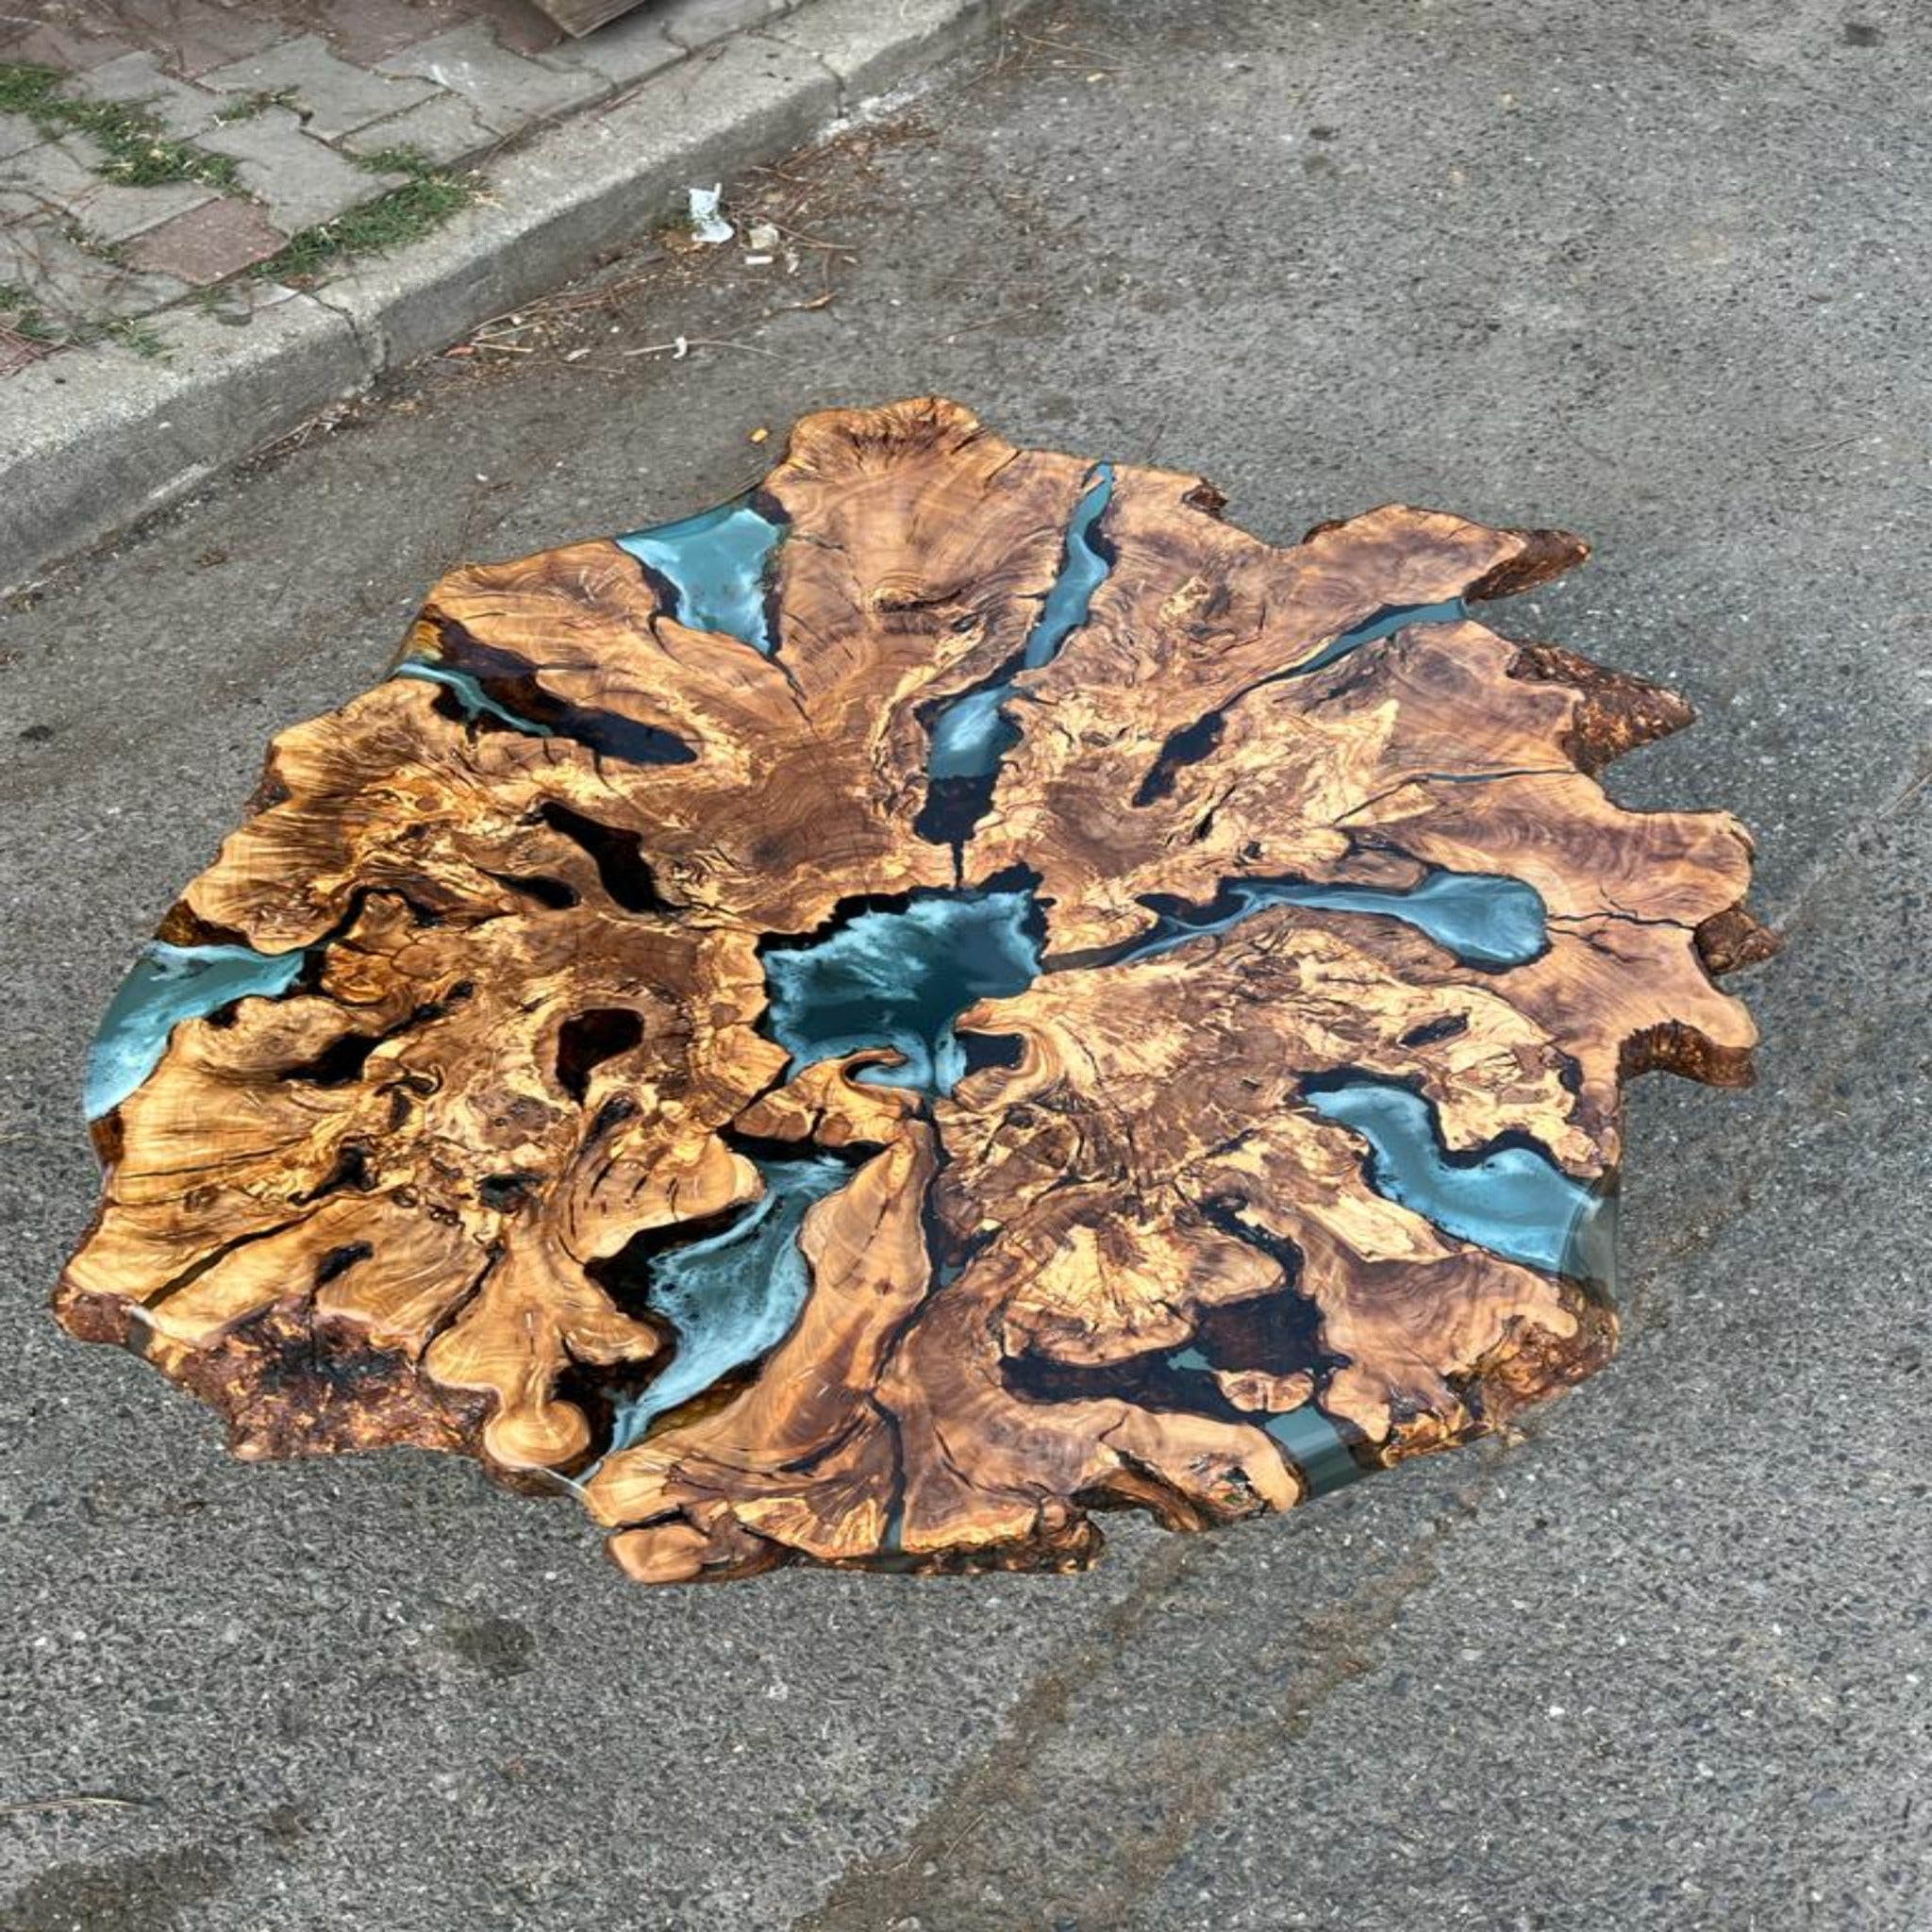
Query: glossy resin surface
[(955, 990)]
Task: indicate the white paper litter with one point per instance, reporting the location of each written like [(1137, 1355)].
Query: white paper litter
[(707, 224)]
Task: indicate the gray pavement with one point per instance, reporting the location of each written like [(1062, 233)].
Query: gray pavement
[(1656, 274), (122, 394)]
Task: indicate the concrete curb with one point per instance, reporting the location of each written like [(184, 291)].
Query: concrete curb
[(95, 439)]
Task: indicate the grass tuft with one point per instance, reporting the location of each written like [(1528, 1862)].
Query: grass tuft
[(250, 106), (140, 151), (23, 314), (421, 206)]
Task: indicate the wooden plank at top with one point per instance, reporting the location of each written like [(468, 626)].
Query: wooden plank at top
[(578, 17)]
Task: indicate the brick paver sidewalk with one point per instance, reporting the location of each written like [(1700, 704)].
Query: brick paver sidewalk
[(157, 151)]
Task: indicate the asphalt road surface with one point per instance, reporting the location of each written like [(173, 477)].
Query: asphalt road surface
[(1659, 275)]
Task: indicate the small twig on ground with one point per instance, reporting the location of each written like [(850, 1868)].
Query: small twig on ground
[(799, 235), (679, 346), (801, 180), (75, 1801), (995, 320), (1052, 45)]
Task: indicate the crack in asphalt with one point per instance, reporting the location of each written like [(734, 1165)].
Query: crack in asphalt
[(945, 1874)]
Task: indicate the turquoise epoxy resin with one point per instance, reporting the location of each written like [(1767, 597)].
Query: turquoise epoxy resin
[(731, 1297), (716, 568), (1513, 1199), (165, 986), (1314, 1444), (1483, 918), (1084, 566), (1317, 1447), (476, 702), (1385, 623), (974, 733), (609, 732), (901, 979)]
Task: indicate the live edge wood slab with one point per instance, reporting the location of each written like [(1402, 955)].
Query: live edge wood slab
[(954, 992)]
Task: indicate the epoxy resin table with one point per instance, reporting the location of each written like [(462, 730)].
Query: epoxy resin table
[(954, 992)]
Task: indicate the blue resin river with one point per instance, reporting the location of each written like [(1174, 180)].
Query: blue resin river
[(1484, 920), (609, 733), (1514, 1200), (717, 567), (733, 1296), (974, 733), (901, 979), (470, 694), (165, 986), (1385, 623)]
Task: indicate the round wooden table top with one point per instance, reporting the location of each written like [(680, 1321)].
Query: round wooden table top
[(954, 992)]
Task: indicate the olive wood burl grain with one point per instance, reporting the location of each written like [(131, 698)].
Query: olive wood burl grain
[(955, 991)]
